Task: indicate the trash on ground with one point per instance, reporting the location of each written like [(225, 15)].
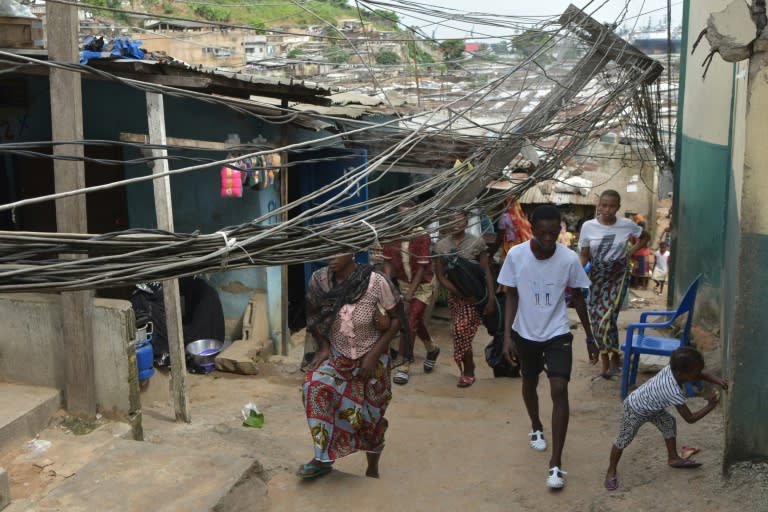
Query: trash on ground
[(251, 416)]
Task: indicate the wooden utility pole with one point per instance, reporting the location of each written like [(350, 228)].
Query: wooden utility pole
[(67, 125), (605, 47), (172, 302), (285, 333), (415, 57)]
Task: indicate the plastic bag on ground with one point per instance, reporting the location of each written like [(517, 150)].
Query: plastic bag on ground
[(251, 415)]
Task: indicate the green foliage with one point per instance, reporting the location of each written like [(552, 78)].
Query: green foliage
[(258, 24), (386, 16), (168, 8), (387, 58), (452, 50), (421, 56), (112, 4), (336, 55), (533, 42), (212, 12), (295, 52)]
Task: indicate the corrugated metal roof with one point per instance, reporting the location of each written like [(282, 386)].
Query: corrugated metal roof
[(534, 195)]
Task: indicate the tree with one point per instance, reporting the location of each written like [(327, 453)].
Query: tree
[(452, 50), (532, 42), (295, 52), (113, 4), (421, 56), (386, 15), (258, 24), (212, 12), (387, 58), (336, 55)]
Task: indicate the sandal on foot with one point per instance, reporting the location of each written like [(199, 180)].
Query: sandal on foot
[(611, 484), (556, 479), (537, 441), (431, 360), (685, 464), (310, 470), (465, 381), (686, 452), (400, 378)]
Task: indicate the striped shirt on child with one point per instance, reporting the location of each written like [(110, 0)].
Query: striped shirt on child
[(660, 392)]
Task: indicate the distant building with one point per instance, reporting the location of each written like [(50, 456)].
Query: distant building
[(256, 48)]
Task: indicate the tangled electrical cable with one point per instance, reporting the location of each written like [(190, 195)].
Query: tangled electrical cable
[(317, 225)]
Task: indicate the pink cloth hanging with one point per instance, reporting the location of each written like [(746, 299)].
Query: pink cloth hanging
[(231, 182)]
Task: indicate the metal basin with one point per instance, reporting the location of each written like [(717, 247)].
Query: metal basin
[(203, 352)]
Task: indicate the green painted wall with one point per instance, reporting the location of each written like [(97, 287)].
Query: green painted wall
[(703, 177)]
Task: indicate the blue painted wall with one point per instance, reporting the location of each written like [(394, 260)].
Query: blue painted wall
[(112, 108)]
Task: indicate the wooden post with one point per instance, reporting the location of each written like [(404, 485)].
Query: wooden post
[(285, 337), (164, 213), (67, 125), (606, 46)]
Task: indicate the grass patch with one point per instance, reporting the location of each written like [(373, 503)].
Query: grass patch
[(78, 426)]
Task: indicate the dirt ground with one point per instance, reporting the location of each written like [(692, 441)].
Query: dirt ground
[(460, 449)]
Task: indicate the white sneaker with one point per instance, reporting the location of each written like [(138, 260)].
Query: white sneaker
[(555, 479), (537, 441)]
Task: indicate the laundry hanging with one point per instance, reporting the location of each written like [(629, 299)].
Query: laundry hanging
[(257, 173), (231, 182)]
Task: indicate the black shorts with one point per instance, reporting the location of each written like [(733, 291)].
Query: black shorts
[(556, 355)]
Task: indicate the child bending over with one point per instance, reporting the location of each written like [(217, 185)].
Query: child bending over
[(648, 403)]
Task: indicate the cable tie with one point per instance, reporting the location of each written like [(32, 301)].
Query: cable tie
[(375, 233), (228, 244)]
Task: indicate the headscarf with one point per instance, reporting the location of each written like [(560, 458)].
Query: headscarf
[(325, 297)]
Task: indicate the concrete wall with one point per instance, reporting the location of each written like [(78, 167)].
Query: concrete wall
[(33, 352), (191, 45), (723, 145), (702, 168)]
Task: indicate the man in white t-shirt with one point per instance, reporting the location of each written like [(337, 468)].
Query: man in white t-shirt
[(536, 329)]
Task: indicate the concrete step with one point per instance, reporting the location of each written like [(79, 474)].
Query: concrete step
[(127, 475), (24, 412)]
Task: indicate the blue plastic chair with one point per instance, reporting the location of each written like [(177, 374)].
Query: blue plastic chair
[(638, 342)]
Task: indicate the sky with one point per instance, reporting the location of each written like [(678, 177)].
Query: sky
[(637, 11)]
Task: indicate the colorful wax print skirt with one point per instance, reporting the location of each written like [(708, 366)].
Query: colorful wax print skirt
[(609, 282), (345, 413)]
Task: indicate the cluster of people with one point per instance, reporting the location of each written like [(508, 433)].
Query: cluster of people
[(362, 317), (644, 267)]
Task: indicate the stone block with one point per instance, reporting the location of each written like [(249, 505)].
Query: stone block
[(242, 357)]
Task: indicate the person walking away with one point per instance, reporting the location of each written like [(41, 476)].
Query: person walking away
[(409, 263), (603, 244), (536, 328), (648, 403), (347, 388), (640, 259), (660, 267), (465, 317)]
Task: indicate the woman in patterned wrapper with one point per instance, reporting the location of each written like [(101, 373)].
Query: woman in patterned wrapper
[(348, 387), (603, 243), (465, 316)]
